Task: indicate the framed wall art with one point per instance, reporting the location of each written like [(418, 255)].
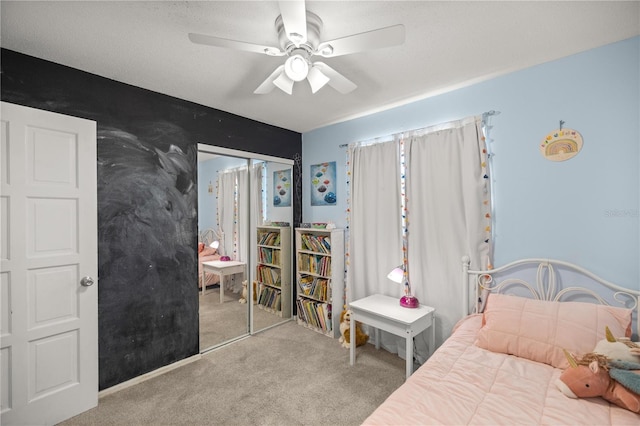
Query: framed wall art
[(323, 184)]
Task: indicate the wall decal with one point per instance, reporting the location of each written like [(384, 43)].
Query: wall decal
[(323, 184), (561, 144)]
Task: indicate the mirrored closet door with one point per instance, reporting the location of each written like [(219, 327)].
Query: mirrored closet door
[(244, 203)]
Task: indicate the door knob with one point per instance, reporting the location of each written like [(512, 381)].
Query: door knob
[(87, 281)]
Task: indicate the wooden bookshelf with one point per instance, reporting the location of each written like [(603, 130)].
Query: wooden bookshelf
[(320, 278), (273, 270)]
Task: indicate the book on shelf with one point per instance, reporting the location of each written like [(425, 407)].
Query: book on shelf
[(269, 255), (269, 239), (317, 243), (315, 264), (315, 314), (314, 287), (270, 298), (269, 275)]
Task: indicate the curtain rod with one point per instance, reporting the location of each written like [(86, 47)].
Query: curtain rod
[(484, 114)]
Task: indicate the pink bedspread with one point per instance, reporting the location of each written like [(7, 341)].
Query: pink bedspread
[(462, 384)]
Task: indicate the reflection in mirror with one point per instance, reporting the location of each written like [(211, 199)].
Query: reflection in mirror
[(272, 239), (223, 194), (236, 196)]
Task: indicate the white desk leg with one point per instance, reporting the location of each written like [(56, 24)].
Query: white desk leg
[(352, 340), (376, 333), (432, 343), (221, 288), (409, 354), (204, 280)]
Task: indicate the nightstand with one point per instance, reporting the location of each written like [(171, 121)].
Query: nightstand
[(385, 313)]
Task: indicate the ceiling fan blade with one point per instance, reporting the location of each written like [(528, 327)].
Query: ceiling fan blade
[(294, 18), (336, 80), (268, 85), (316, 79), (235, 44), (375, 39)]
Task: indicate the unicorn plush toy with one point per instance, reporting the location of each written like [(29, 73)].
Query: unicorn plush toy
[(596, 375)]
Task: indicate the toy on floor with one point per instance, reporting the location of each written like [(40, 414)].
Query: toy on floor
[(596, 375), (621, 348), (345, 330), (245, 293)]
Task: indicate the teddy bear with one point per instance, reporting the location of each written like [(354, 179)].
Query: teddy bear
[(245, 293), (345, 330)]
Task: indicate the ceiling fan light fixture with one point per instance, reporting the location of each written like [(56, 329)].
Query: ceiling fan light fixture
[(316, 79), (284, 83), (296, 67)]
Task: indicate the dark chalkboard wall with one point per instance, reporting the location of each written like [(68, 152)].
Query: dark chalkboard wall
[(147, 202)]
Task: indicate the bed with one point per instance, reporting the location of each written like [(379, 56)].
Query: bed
[(500, 366)]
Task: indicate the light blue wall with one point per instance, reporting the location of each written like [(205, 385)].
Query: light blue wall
[(584, 210)]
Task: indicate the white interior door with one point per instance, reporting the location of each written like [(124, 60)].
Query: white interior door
[(49, 318)]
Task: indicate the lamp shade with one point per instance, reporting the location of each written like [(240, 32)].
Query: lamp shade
[(215, 245), (316, 79), (396, 275), (284, 83)]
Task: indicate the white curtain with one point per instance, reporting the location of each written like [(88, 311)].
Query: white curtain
[(257, 212), (447, 216), (233, 216), (375, 220), (448, 211)]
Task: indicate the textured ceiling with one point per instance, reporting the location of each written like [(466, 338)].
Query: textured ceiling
[(448, 44)]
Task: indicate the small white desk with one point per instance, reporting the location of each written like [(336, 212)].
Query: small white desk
[(222, 268), (385, 313)]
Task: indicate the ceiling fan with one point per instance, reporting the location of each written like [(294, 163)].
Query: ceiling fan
[(299, 38)]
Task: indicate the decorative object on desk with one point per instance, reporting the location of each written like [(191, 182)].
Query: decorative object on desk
[(225, 258), (345, 331), (323, 184), (282, 188), (399, 275), (561, 144)]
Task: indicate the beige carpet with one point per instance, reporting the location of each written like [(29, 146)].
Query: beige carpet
[(287, 375), (221, 322)]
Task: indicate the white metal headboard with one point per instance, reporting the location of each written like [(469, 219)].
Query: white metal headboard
[(209, 235), (546, 285)]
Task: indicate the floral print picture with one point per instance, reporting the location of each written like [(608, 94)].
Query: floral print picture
[(323, 184), (282, 188)]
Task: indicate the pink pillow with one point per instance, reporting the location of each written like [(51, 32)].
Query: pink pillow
[(540, 330), (208, 251)]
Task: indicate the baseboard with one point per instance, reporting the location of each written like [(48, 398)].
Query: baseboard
[(147, 376)]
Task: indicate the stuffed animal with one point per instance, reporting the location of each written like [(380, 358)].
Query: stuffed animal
[(621, 349), (345, 330), (596, 375), (245, 293), (244, 296)]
